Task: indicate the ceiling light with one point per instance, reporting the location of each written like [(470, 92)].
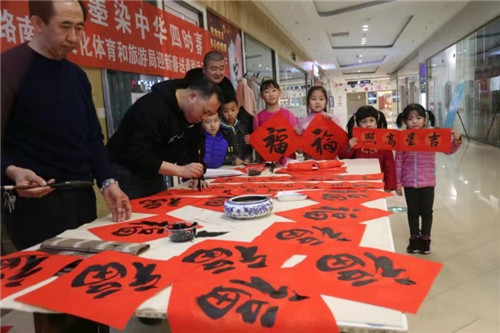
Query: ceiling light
[(360, 56), (365, 29), (365, 26)]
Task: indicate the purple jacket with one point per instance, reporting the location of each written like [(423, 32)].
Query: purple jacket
[(418, 168)]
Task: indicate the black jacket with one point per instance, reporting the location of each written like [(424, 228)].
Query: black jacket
[(154, 130)]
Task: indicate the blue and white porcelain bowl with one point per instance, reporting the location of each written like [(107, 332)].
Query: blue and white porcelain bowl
[(248, 206)]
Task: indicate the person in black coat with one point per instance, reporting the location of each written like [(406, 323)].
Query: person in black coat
[(157, 132)]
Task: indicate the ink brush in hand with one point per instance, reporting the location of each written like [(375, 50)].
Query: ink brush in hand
[(59, 185)]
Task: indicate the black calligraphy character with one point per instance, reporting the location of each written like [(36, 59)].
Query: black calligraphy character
[(324, 142), (337, 262), (213, 259), (152, 203), (141, 228), (174, 202), (369, 137), (98, 279), (248, 256), (321, 213), (434, 137), (31, 266), (355, 275), (219, 301), (410, 139), (144, 280), (217, 201), (301, 235), (329, 232), (391, 140), (333, 197), (385, 264), (292, 234), (317, 214), (275, 141)]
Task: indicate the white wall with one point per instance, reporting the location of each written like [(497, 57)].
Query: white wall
[(339, 92)]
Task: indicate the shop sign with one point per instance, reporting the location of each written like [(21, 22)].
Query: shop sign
[(129, 36), (361, 82)]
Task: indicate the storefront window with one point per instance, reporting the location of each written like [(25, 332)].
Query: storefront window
[(123, 89), (259, 65), (475, 61), (293, 88)]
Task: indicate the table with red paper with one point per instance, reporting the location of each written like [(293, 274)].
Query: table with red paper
[(209, 260)]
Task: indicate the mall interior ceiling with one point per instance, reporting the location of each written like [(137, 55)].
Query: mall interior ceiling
[(354, 40)]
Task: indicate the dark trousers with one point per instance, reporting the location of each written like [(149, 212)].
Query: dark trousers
[(35, 220), (136, 186), (419, 202)]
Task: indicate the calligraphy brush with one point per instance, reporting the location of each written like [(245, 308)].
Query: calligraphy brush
[(59, 185), (202, 177)]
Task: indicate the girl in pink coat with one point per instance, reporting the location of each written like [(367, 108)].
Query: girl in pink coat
[(415, 172)]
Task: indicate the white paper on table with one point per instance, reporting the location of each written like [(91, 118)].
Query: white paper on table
[(214, 173)]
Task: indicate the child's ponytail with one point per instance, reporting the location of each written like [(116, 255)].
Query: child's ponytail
[(350, 124), (431, 119), (381, 121), (399, 120)]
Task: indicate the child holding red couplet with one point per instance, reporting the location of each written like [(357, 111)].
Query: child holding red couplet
[(415, 171), (369, 117)]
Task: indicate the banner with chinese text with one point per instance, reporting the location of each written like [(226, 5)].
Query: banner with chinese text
[(129, 36), (427, 139)]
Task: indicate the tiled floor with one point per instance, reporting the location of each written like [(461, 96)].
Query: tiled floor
[(466, 238), (465, 297)]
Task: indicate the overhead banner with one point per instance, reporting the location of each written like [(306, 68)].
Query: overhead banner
[(128, 36), (427, 139)]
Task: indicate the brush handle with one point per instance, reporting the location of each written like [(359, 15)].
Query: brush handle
[(60, 185)]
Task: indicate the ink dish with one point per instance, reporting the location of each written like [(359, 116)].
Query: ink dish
[(181, 231), (248, 206)]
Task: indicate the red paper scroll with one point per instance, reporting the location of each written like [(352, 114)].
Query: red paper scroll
[(312, 234), (374, 138), (351, 185), (212, 189), (369, 275), (213, 257), (323, 138), (438, 140), (312, 165), (247, 301), (271, 189), (326, 212), (106, 287), (263, 179), (26, 268), (136, 231), (275, 138), (346, 196), (213, 203), (160, 204), (128, 36), (433, 139)]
